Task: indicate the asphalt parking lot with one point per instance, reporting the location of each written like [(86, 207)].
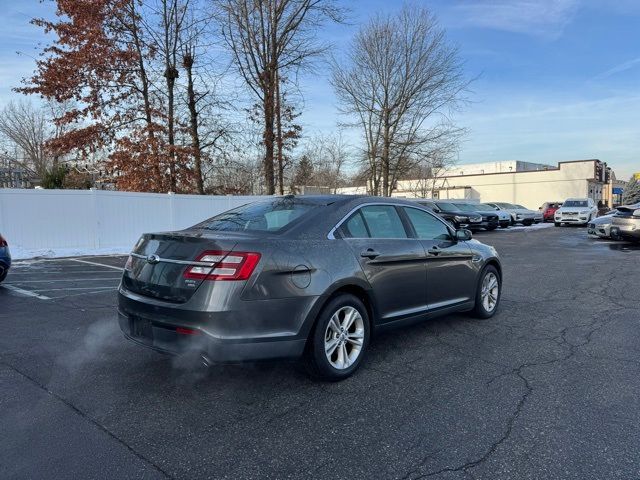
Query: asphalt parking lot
[(548, 388)]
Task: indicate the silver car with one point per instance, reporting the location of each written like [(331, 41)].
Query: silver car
[(601, 226), (519, 214), (310, 276)]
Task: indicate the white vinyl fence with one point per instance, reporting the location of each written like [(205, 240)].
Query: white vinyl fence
[(96, 221)]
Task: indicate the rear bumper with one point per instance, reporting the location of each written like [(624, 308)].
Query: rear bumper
[(166, 339), (254, 333)]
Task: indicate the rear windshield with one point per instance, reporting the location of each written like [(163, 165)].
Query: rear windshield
[(265, 216), (575, 203)]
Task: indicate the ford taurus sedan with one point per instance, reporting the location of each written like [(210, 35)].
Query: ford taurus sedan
[(310, 276)]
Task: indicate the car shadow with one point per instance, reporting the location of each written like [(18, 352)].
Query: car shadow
[(624, 246)]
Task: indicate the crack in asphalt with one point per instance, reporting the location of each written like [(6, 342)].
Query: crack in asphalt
[(86, 417), (518, 372)]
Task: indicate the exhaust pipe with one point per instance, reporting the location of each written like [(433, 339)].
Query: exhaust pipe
[(205, 360)]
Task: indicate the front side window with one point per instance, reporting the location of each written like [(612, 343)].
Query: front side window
[(383, 221), (427, 227)]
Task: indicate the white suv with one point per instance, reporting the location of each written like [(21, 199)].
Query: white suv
[(576, 210)]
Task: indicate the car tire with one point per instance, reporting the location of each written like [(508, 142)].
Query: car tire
[(504, 226), (3, 275), (485, 307), (344, 324), (557, 224), (527, 223), (493, 227)]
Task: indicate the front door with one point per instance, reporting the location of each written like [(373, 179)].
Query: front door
[(393, 263), (451, 276)]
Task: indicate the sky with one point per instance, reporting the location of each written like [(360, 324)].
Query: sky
[(554, 80)]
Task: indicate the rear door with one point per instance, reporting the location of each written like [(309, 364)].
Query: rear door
[(393, 263), (451, 276)]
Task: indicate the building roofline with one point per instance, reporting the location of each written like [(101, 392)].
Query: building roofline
[(552, 169)]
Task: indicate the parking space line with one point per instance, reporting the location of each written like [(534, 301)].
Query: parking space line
[(57, 280), (26, 293), (75, 288), (95, 263)]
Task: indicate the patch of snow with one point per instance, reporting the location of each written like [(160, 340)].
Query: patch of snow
[(18, 253), (522, 228)]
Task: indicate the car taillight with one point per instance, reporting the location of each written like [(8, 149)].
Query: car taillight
[(228, 266), (3, 242)]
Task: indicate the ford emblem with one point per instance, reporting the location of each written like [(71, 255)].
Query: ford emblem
[(153, 259)]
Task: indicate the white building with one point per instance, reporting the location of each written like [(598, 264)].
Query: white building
[(524, 183)]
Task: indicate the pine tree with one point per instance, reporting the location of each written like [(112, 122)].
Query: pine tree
[(631, 193)]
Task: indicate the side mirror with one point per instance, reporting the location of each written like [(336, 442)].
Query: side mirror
[(463, 235)]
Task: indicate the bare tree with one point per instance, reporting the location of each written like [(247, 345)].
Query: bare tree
[(27, 129), (269, 39), (400, 82), (323, 162)]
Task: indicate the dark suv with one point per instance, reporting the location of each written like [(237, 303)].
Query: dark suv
[(454, 214), (489, 217)]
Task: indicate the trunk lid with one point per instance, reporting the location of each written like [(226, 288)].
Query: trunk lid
[(159, 261)]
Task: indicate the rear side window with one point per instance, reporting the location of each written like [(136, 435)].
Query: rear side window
[(355, 227), (427, 227), (267, 216), (383, 221)]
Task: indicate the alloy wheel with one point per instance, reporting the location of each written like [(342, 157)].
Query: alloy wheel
[(490, 291), (344, 337)]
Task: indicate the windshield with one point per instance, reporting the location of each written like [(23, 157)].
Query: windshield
[(448, 207), (266, 216), (575, 203), (506, 205), (484, 206), (520, 206), (466, 207)]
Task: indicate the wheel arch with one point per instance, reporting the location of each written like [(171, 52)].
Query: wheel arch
[(356, 287)]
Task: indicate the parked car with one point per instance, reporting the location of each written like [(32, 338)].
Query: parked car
[(5, 258), (519, 214), (548, 209), (625, 224), (453, 214), (490, 220), (601, 226), (577, 211), (312, 276)]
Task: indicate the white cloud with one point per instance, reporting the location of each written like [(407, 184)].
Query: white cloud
[(623, 67), (542, 18)]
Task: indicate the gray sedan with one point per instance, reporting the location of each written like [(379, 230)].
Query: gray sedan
[(310, 276)]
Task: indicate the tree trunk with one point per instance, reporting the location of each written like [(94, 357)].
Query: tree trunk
[(386, 140), (193, 119), (268, 137), (279, 141)]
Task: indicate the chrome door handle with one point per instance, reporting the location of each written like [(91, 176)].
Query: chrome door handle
[(434, 251)]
